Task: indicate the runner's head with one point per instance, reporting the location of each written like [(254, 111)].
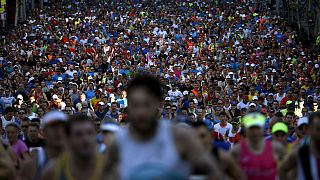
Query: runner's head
[(81, 135), (12, 130), (144, 102), (280, 132), (314, 126), (33, 131), (253, 123), (203, 133), (53, 124), (302, 127)]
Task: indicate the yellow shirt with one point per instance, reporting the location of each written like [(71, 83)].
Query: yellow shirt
[(94, 102), (63, 168), (251, 96)]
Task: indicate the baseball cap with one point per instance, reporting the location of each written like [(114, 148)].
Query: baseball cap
[(20, 97), (53, 116), (101, 103), (167, 99), (303, 120), (253, 104), (288, 102), (112, 127), (55, 97), (185, 92), (253, 119), (254, 98), (279, 126), (60, 79)]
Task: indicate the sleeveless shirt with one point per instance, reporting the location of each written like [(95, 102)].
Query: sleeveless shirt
[(258, 166), (158, 155), (63, 168)]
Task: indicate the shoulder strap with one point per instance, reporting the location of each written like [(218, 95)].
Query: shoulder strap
[(304, 156), (41, 160)]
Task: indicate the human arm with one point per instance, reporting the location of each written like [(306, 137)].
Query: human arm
[(235, 152), (28, 169), (289, 163), (230, 166), (192, 151), (110, 167), (48, 172), (279, 151), (7, 167)]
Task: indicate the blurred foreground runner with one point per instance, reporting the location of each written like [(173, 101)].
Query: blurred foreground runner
[(81, 159), (227, 164), (53, 124), (7, 169), (151, 148), (306, 158), (257, 157)]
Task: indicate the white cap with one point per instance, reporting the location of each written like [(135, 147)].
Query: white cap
[(195, 101), (199, 74), (54, 97), (253, 104), (273, 70), (19, 96), (112, 127), (230, 73), (303, 120), (316, 66), (60, 79), (101, 103), (167, 99), (53, 116), (254, 98), (185, 92)]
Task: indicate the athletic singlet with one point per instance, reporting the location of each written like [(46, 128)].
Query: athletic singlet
[(279, 98), (156, 159), (63, 169), (307, 164), (258, 166)]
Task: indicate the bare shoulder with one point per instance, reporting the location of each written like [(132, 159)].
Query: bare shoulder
[(49, 170)]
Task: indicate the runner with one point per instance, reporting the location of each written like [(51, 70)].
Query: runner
[(161, 150), (108, 130), (257, 158), (53, 124), (81, 159), (8, 171), (280, 133), (305, 159), (228, 165)]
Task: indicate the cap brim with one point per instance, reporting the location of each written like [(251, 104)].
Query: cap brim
[(110, 127), (253, 124)]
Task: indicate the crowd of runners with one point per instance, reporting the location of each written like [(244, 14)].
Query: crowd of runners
[(158, 89)]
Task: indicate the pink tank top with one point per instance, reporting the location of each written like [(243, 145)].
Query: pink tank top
[(258, 167)]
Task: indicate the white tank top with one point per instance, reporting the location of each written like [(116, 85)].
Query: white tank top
[(160, 151), (279, 98)]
